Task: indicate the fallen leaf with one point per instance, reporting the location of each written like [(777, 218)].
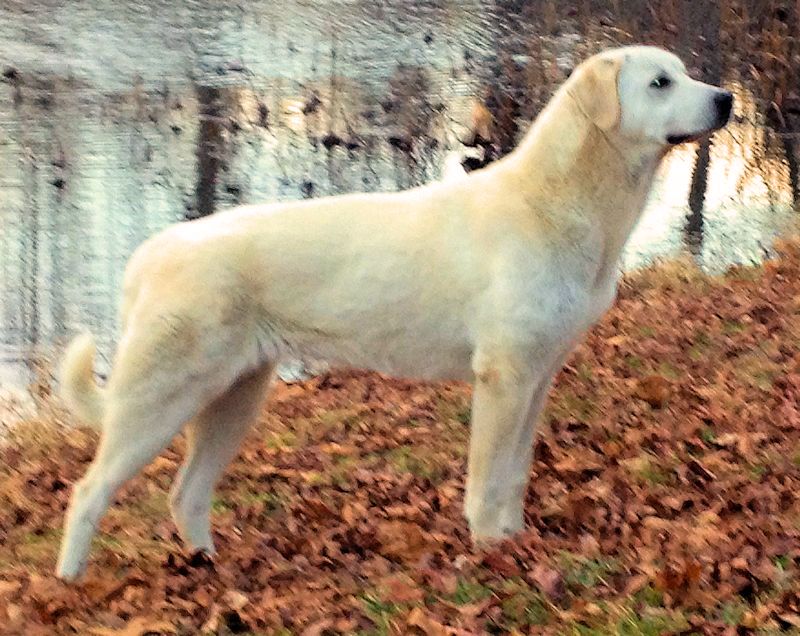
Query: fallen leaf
[(655, 390), (429, 626), (402, 540), (549, 581), (401, 588), (503, 564), (139, 626)]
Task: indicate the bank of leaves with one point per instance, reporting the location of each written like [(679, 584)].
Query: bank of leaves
[(664, 497)]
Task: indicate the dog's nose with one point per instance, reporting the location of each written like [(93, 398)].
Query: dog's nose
[(724, 102)]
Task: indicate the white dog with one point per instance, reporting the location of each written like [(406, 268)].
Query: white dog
[(490, 278)]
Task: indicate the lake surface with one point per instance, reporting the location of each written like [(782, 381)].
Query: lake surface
[(117, 119)]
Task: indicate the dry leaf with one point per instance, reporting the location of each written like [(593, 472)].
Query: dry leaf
[(429, 626), (139, 626), (655, 390)]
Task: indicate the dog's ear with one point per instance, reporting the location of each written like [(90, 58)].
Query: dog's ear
[(595, 89)]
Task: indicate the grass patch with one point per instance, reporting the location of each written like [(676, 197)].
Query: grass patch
[(708, 435), (649, 596), (649, 622), (152, 506), (220, 504), (782, 562), (34, 548), (469, 591), (756, 370), (342, 471), (634, 363), (380, 612), (342, 420), (647, 470), (669, 371), (408, 459), (732, 612), (281, 441), (732, 327), (635, 624), (568, 405), (757, 471), (272, 501), (522, 606), (463, 414), (582, 573), (647, 332), (458, 410), (584, 372), (701, 339)]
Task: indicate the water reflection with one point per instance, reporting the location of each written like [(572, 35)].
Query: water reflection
[(113, 126)]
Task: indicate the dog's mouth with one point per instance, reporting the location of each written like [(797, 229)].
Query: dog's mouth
[(675, 140), (683, 138)]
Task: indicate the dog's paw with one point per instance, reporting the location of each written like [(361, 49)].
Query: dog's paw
[(70, 572)]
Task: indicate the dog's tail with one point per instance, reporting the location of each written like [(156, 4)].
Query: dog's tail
[(78, 387)]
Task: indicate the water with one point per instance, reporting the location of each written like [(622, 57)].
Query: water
[(117, 119)]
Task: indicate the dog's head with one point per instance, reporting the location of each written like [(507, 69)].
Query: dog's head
[(644, 95)]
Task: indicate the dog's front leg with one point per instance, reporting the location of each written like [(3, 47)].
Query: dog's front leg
[(508, 396)]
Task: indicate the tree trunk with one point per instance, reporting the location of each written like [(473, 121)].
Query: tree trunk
[(209, 151), (701, 24)]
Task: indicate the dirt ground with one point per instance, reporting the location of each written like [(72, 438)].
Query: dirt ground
[(664, 497)]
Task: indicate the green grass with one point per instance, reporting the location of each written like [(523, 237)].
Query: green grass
[(523, 606), (708, 435), (272, 501), (668, 371), (647, 332), (702, 338), (280, 441), (459, 410), (757, 471), (585, 372), (35, 547), (464, 414), (732, 612), (407, 459), (569, 404), (732, 327), (582, 573), (649, 596), (380, 612), (647, 470), (782, 562), (634, 362), (337, 419), (649, 622), (469, 592)]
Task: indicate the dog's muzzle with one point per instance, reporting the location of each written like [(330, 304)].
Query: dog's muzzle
[(723, 102)]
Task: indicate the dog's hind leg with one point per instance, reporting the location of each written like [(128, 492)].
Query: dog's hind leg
[(212, 440), (133, 435), (165, 373)]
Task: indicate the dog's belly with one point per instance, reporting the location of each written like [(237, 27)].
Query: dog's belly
[(415, 349)]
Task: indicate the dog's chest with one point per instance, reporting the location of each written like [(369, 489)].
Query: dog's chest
[(551, 308)]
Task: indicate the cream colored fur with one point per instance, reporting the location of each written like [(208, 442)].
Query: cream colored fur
[(489, 277)]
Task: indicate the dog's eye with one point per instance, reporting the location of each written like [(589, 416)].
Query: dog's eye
[(662, 81)]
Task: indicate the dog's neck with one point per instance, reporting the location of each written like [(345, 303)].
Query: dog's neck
[(590, 178)]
